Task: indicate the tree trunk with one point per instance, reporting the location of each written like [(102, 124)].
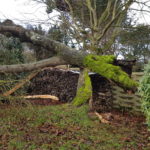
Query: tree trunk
[(70, 55)]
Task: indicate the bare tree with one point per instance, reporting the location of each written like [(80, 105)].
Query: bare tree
[(93, 23)]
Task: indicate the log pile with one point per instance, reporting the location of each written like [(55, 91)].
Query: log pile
[(102, 93), (63, 84), (55, 82)]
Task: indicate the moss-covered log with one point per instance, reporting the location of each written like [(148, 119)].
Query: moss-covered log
[(103, 65), (84, 89)]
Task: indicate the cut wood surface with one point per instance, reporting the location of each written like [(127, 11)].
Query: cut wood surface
[(42, 96), (100, 117)]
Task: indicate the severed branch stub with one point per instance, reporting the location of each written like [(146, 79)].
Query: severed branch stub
[(100, 117)]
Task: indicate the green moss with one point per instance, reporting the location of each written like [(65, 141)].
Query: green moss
[(85, 91), (103, 65)]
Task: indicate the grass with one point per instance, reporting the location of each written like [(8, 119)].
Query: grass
[(63, 127)]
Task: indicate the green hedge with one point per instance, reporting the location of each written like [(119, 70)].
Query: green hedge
[(144, 90)]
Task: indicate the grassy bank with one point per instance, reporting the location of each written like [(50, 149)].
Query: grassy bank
[(64, 127)]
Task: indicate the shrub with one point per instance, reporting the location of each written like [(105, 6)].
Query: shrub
[(10, 51), (144, 89)]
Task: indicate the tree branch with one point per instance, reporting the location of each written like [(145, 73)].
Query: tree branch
[(70, 55), (54, 61)]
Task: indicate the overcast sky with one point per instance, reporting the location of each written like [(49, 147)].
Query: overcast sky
[(26, 11), (21, 10)]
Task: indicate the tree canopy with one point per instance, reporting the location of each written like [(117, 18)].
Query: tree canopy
[(94, 24), (135, 43)]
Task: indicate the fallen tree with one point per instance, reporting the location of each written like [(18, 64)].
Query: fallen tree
[(65, 55), (102, 65)]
